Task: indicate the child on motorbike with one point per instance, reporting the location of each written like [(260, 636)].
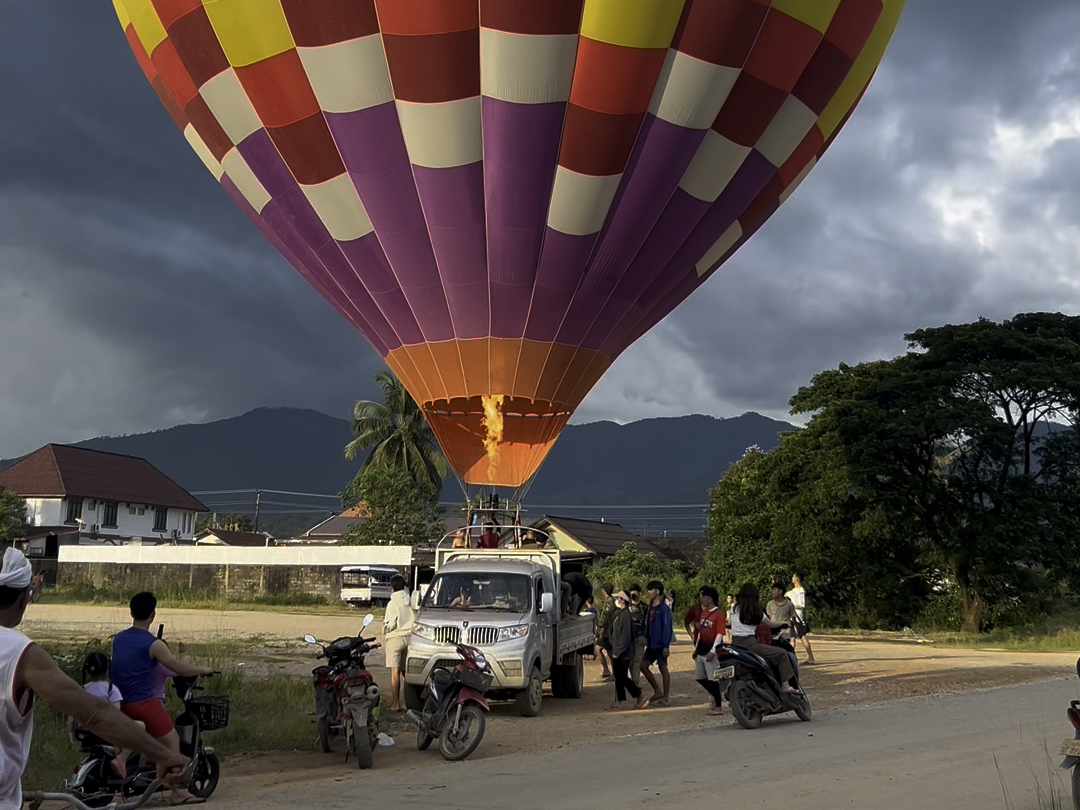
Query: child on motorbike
[(95, 678)]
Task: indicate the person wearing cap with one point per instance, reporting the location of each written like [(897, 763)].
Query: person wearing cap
[(27, 671), (622, 649)]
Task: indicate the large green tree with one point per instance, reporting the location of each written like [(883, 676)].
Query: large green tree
[(396, 509), (397, 434), (13, 516), (952, 443)]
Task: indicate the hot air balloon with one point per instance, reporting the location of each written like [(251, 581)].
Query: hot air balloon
[(503, 195)]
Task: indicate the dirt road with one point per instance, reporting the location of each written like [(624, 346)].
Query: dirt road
[(850, 673)]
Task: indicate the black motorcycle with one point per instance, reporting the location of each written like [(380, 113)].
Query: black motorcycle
[(97, 778), (753, 685), (1070, 749)]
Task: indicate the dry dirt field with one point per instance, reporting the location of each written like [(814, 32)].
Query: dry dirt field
[(850, 672)]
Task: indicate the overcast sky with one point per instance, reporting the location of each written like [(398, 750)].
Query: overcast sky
[(135, 296)]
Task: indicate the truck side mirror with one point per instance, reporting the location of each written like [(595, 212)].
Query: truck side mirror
[(547, 603), (415, 599)]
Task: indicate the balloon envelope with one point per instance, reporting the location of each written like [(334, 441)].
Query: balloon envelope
[(503, 195)]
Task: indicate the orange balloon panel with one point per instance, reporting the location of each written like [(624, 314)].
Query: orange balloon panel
[(541, 384)]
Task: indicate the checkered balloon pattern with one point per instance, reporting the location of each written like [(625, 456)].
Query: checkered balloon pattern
[(503, 195)]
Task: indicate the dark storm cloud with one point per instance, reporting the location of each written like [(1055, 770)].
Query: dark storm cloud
[(134, 295), (945, 198)]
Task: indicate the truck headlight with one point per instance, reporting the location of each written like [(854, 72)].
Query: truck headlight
[(424, 630), (515, 631)]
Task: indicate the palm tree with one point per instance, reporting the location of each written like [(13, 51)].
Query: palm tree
[(396, 429)]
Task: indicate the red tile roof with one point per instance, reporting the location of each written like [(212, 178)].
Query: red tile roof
[(60, 470)]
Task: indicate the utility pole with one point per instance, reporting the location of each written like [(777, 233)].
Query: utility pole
[(258, 500)]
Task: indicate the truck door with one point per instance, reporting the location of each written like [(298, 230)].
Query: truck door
[(547, 628)]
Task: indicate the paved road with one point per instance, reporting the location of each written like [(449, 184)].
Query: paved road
[(916, 754)]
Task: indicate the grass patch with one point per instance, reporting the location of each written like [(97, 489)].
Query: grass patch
[(86, 593), (272, 713)]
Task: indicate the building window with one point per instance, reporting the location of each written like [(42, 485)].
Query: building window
[(142, 510), (74, 510), (131, 510), (108, 513), (160, 518), (92, 506)]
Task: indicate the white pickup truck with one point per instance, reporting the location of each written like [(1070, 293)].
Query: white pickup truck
[(510, 604)]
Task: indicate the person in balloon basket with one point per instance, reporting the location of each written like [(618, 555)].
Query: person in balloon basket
[(27, 671), (490, 538), (136, 653), (659, 634)]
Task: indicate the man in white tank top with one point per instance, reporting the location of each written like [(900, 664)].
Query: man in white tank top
[(27, 670)]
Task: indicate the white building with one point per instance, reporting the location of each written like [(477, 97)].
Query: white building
[(104, 497)]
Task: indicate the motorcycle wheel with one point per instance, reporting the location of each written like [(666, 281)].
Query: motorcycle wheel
[(744, 708), (423, 740), (1076, 787), (324, 734), (803, 710), (95, 791), (456, 746), (362, 744), (204, 775)]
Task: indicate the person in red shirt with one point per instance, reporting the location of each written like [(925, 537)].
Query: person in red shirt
[(709, 627), (490, 538)]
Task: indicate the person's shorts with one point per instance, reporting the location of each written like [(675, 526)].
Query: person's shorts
[(395, 648), (652, 656), (151, 714)]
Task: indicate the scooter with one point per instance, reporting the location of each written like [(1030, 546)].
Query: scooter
[(97, 778), (1070, 749), (752, 685), (455, 706), (346, 696)]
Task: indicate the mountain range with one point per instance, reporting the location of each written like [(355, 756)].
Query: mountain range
[(670, 460)]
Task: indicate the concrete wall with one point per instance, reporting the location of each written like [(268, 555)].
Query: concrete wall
[(240, 573)]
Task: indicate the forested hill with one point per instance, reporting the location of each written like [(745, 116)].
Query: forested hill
[(669, 460)]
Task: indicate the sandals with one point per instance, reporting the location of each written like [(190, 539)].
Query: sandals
[(642, 702), (716, 712)]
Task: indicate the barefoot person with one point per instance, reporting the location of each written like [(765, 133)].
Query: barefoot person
[(659, 633), (397, 625), (136, 652), (27, 671)]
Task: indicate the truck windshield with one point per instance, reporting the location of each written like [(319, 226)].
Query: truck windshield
[(471, 591)]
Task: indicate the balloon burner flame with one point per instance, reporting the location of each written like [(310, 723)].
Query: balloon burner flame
[(493, 431)]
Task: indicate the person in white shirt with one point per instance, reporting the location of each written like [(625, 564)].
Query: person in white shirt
[(27, 671), (397, 624), (798, 597)]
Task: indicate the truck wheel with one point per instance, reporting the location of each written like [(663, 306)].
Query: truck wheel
[(559, 678), (414, 697), (575, 678), (531, 697)]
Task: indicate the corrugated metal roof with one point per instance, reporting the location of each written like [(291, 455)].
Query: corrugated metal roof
[(604, 539)]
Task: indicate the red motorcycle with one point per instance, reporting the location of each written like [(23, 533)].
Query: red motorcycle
[(455, 706), (346, 696)]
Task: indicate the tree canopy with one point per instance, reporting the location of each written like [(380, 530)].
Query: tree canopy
[(954, 465), (13, 516), (396, 509), (397, 435)]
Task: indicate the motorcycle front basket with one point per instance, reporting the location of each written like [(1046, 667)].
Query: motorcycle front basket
[(212, 711), (480, 681)]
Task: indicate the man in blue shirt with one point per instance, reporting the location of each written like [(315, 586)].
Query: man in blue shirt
[(136, 652), (659, 633)]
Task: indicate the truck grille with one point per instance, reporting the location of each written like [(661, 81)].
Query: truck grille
[(446, 663), (448, 635), (483, 635)]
